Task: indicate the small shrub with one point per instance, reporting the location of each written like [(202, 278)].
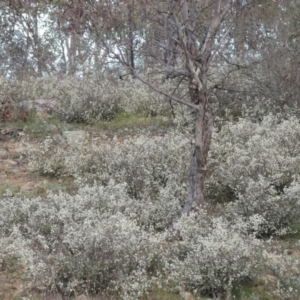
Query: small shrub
[(48, 158), (212, 255), (10, 94), (258, 164), (91, 99), (267, 212), (284, 269), (244, 151)]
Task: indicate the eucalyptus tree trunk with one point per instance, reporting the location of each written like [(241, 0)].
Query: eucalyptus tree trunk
[(199, 156), (198, 61)]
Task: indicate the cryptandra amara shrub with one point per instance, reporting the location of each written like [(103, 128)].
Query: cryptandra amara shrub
[(80, 243), (91, 243), (284, 269), (211, 255), (257, 165), (140, 185), (90, 98), (153, 168), (247, 150), (266, 211)]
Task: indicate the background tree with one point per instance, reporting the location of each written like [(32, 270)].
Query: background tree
[(186, 41), (27, 39)]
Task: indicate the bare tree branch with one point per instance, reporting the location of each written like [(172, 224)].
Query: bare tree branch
[(174, 98)]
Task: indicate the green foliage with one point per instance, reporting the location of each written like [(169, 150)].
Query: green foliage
[(250, 293)]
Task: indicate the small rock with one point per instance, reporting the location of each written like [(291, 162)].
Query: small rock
[(39, 184), (23, 277), (18, 169), (52, 128), (75, 136), (10, 162), (186, 296), (7, 165), (81, 297), (27, 186), (58, 138), (9, 133), (39, 105), (10, 130), (3, 153)]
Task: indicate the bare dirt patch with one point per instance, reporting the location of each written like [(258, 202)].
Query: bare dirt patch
[(10, 287)]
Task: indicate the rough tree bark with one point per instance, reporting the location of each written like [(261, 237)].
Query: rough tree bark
[(197, 60)]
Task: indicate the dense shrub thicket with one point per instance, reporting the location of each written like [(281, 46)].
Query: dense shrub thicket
[(255, 165), (112, 236), (258, 165), (143, 181), (153, 170), (91, 242), (80, 243), (213, 254), (87, 99)]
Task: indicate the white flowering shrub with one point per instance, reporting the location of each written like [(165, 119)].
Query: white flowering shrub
[(83, 243), (89, 99), (284, 270), (80, 99), (184, 119), (267, 211), (47, 158), (91, 243), (15, 252), (138, 97), (257, 107), (246, 150), (211, 255), (154, 170), (257, 164)]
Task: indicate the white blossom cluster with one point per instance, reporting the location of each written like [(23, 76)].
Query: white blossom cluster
[(284, 270), (257, 165), (212, 254)]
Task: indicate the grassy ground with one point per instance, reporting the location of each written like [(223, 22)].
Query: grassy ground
[(122, 123)]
